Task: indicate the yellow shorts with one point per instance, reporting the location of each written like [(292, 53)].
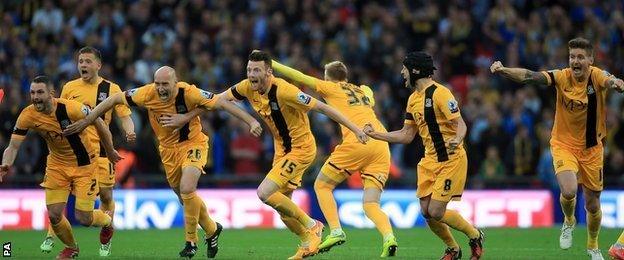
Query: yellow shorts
[(105, 173), (444, 181), (586, 163), (59, 181), (176, 158), (288, 170), (371, 159)]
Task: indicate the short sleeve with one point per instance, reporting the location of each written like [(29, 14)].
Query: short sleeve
[(601, 77), (294, 97), (446, 103), (238, 91), (21, 126), (551, 77), (202, 98), (65, 91), (120, 110), (136, 97), (77, 110), (368, 92)]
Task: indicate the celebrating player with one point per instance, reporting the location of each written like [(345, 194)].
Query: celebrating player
[(91, 89), (72, 163), (184, 151), (577, 134), (433, 113), (371, 159)]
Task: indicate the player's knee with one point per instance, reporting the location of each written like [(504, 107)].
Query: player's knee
[(322, 186), (592, 206), (568, 194), (263, 195), (436, 214), (55, 217), (84, 219)]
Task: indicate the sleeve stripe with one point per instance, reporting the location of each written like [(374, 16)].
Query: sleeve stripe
[(409, 116), (21, 132), (552, 79), (236, 94), (129, 99)]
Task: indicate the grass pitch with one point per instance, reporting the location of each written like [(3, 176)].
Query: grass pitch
[(417, 243)]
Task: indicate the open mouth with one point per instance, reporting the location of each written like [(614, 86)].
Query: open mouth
[(254, 81), (84, 72), (163, 94), (576, 69)]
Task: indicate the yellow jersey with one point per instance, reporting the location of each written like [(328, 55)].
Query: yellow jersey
[(580, 119), (93, 94), (188, 98), (432, 110), (284, 108), (354, 102), (73, 150)]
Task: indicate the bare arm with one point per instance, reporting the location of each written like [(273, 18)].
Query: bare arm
[(338, 117), (521, 75), (128, 127), (254, 127), (404, 136), (459, 135), (9, 156), (615, 83), (106, 138), (99, 110)]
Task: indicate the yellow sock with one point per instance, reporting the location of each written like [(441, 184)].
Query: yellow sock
[(568, 206), (621, 239), (192, 206), (593, 228), (294, 226), (286, 207), (64, 232), (374, 213), (327, 203), (100, 219), (50, 231), (443, 232), (205, 221), (457, 222)]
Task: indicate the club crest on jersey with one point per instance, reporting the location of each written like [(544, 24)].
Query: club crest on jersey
[(65, 123), (274, 106), (102, 96), (85, 110), (590, 89), (206, 94), (181, 109), (452, 105), (304, 98), (428, 102), (131, 92)]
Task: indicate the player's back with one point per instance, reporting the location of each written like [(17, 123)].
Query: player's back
[(353, 102), (74, 150)]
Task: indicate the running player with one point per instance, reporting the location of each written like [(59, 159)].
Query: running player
[(71, 164), (184, 151), (372, 159), (433, 113), (577, 134)]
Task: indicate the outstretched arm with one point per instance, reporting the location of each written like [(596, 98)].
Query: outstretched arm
[(128, 127), (338, 117), (294, 74), (254, 127), (9, 156), (99, 110), (616, 84), (404, 136), (521, 75)]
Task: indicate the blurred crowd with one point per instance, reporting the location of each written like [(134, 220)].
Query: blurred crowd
[(207, 42)]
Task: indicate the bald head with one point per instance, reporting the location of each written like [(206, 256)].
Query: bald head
[(165, 81)]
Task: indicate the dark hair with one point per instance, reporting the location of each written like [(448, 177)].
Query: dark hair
[(336, 70), (260, 56), (45, 80), (89, 49), (581, 43)]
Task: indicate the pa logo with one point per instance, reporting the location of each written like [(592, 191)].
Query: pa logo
[(6, 249)]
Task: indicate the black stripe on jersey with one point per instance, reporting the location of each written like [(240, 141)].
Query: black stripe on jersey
[(180, 106), (237, 94), (18, 131), (552, 79), (590, 125), (129, 99), (432, 125), (82, 157), (409, 116), (278, 119), (102, 93)]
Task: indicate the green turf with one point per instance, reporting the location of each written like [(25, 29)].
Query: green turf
[(417, 243)]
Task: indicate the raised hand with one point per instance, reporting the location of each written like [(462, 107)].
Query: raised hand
[(496, 66)]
